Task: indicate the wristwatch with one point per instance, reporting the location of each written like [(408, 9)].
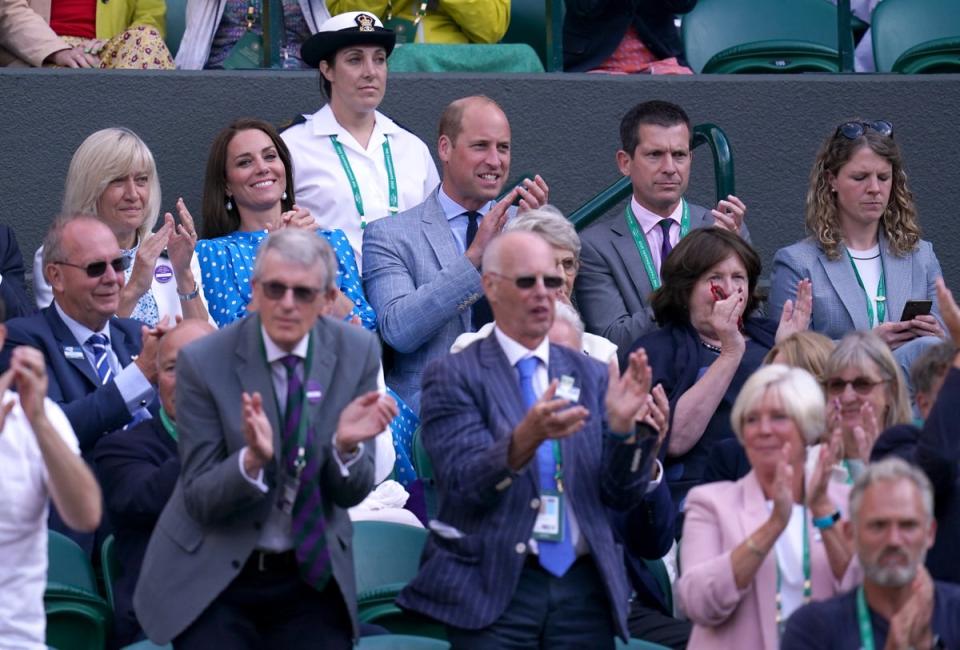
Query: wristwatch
[(827, 521), (190, 296)]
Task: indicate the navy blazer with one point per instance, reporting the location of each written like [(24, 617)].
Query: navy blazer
[(13, 290), (138, 469), (93, 409), (936, 449), (646, 532), (471, 406)]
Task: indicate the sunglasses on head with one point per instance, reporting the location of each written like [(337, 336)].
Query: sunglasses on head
[(861, 385), (96, 269), (277, 290), (528, 281), (853, 130)]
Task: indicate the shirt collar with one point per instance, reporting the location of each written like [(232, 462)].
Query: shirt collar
[(648, 220), (80, 331), (516, 351), (275, 352), (452, 209), (324, 123)]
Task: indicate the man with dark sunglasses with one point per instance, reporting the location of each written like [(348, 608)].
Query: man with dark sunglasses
[(532, 443), (276, 416), (97, 372), (421, 268)]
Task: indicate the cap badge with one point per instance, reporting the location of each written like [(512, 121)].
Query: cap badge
[(364, 22)]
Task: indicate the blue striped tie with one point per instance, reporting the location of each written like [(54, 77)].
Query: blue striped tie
[(555, 557), (99, 344)]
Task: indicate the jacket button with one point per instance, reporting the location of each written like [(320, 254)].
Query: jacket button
[(235, 564), (520, 548), (535, 504)]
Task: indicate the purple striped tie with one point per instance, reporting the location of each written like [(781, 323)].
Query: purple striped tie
[(666, 247), (308, 526)]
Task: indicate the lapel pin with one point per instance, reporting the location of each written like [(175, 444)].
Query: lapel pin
[(71, 352), (314, 391)]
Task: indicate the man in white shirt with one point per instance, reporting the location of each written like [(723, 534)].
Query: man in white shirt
[(41, 461), (621, 256)]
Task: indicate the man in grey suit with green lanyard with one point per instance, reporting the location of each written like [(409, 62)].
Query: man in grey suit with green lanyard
[(276, 415), (621, 256)]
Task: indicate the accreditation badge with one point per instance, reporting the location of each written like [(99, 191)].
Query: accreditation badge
[(288, 494), (549, 524)]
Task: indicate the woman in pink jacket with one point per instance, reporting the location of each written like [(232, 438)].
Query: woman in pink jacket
[(756, 549)]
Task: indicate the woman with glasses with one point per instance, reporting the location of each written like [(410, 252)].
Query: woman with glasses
[(864, 253), (113, 176), (709, 343), (756, 549), (866, 394)]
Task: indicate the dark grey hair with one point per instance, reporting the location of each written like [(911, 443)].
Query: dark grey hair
[(302, 248)]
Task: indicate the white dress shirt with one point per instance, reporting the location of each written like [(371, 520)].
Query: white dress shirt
[(321, 183), (649, 225)]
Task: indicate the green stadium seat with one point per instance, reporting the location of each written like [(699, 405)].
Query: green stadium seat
[(539, 24), (911, 36), (108, 562), (400, 642), (638, 644), (759, 36), (424, 469), (176, 24), (77, 617)]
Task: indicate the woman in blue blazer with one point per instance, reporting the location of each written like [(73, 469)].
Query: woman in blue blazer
[(864, 254)]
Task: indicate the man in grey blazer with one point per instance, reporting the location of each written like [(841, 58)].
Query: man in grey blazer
[(273, 415), (621, 256), (421, 268)]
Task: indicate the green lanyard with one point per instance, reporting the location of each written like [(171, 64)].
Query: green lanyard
[(641, 241), (355, 188), (881, 293), (807, 588), (168, 424), (558, 462), (863, 618), (300, 462), (846, 464)]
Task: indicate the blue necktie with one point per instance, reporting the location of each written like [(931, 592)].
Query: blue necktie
[(555, 557), (99, 344)]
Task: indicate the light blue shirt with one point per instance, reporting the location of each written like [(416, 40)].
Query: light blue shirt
[(454, 212)]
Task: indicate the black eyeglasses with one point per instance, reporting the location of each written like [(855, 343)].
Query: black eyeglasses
[(96, 269), (853, 130), (277, 290), (527, 281), (861, 385)]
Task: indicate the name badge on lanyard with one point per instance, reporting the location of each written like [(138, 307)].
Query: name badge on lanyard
[(549, 524)]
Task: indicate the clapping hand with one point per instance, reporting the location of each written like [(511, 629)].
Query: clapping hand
[(729, 214), (783, 487), (657, 415), (795, 316), (362, 419), (298, 218), (257, 434), (533, 193), (949, 310), (910, 627), (629, 392), (817, 499), (182, 240)]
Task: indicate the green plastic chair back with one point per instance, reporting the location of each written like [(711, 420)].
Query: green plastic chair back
[(937, 56), (899, 25), (400, 642), (639, 644), (659, 571), (539, 24), (794, 36), (147, 645), (68, 564), (75, 620), (465, 57), (386, 553), (709, 134), (423, 466), (176, 24), (111, 568)]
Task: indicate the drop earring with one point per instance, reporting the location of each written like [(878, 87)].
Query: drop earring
[(283, 197), (229, 204)]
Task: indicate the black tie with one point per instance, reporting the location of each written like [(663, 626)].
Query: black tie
[(481, 311)]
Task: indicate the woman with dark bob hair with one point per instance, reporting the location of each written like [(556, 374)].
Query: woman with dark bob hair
[(709, 343), (864, 253)]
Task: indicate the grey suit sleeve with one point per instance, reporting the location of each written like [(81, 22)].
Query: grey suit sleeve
[(348, 491), (408, 316), (787, 273), (603, 309), (214, 488), (933, 272)]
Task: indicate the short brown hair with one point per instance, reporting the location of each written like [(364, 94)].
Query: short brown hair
[(807, 349), (451, 120), (217, 219), (696, 254)]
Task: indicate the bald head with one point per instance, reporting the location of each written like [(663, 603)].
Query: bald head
[(186, 332), (504, 251), (451, 120)]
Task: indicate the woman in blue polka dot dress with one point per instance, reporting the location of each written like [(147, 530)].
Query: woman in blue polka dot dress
[(248, 191)]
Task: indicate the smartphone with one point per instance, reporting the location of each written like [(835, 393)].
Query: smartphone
[(915, 308)]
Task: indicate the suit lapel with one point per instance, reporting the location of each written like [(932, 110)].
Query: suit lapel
[(752, 514), (254, 372), (64, 337), (560, 366), (437, 231), (118, 339), (502, 380), (320, 374), (898, 274), (844, 281), (627, 250)]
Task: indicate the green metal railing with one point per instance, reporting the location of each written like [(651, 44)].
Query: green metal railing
[(709, 134)]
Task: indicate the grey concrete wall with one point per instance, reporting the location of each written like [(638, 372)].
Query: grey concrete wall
[(564, 127)]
